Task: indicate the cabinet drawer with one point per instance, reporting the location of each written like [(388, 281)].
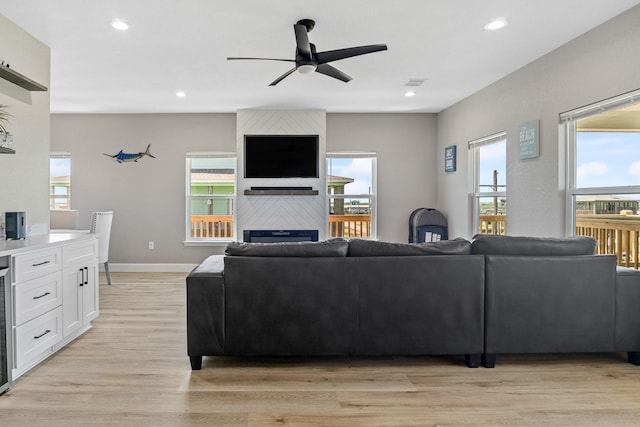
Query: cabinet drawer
[(36, 297), (80, 252), (37, 336), (37, 264)]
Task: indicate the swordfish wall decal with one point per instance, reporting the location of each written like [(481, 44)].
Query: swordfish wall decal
[(130, 157)]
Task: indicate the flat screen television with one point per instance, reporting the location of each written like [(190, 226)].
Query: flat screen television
[(281, 156)]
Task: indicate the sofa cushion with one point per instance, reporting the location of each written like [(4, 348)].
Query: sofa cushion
[(366, 248), (329, 248), (484, 244)]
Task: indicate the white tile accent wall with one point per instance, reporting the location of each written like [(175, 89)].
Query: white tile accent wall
[(282, 212)]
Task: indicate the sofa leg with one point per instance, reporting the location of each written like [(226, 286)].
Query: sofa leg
[(634, 357), (196, 362), (472, 360), (489, 360)]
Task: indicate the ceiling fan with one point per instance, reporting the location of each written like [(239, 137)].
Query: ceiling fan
[(307, 60)]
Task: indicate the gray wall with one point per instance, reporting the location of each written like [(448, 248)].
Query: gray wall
[(148, 197), (597, 65), (24, 176)]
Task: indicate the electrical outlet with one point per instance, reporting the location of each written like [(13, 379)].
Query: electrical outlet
[(152, 245)]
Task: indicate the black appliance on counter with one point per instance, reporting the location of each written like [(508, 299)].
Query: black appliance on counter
[(16, 225)]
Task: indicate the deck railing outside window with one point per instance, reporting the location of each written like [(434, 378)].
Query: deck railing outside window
[(493, 224), (616, 234), (212, 226), (349, 225)]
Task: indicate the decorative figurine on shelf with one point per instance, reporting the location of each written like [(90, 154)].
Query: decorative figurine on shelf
[(130, 157)]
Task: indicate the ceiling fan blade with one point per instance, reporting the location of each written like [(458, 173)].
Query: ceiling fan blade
[(233, 58), (330, 71), (302, 41), (279, 79), (334, 55)]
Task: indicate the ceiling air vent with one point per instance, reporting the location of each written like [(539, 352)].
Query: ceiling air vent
[(414, 82)]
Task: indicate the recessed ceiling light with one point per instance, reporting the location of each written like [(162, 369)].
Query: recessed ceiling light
[(496, 24), (181, 94), (409, 93), (119, 25)]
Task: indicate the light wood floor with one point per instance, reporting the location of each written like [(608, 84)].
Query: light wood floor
[(131, 369)]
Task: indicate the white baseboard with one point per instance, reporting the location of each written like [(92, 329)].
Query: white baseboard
[(149, 268)]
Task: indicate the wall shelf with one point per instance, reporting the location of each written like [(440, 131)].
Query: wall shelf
[(4, 150), (281, 192), (21, 80)]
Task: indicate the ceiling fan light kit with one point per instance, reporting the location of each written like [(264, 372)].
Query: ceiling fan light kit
[(307, 68), (307, 60)]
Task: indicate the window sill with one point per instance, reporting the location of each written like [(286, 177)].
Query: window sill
[(207, 242)]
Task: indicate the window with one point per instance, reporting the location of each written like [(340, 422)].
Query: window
[(59, 181), (489, 188), (211, 197), (351, 190), (603, 174)]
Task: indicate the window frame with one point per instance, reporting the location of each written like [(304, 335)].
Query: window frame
[(475, 193), (568, 137), (52, 196), (209, 241), (373, 196)]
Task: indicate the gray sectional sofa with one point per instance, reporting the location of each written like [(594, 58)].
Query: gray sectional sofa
[(490, 296)]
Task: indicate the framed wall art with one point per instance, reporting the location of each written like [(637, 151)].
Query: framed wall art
[(450, 159)]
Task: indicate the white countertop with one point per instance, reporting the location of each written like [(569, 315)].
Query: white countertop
[(41, 241)]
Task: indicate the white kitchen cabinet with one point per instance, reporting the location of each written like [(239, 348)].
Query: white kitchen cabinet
[(35, 339), (80, 295), (29, 265), (54, 297), (37, 296)]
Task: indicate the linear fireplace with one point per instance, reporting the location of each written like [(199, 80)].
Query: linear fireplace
[(272, 236)]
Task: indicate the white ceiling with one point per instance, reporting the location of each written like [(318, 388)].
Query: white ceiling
[(176, 45)]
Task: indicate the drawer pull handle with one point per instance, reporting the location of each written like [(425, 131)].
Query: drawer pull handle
[(42, 334), (43, 295), (40, 263)]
